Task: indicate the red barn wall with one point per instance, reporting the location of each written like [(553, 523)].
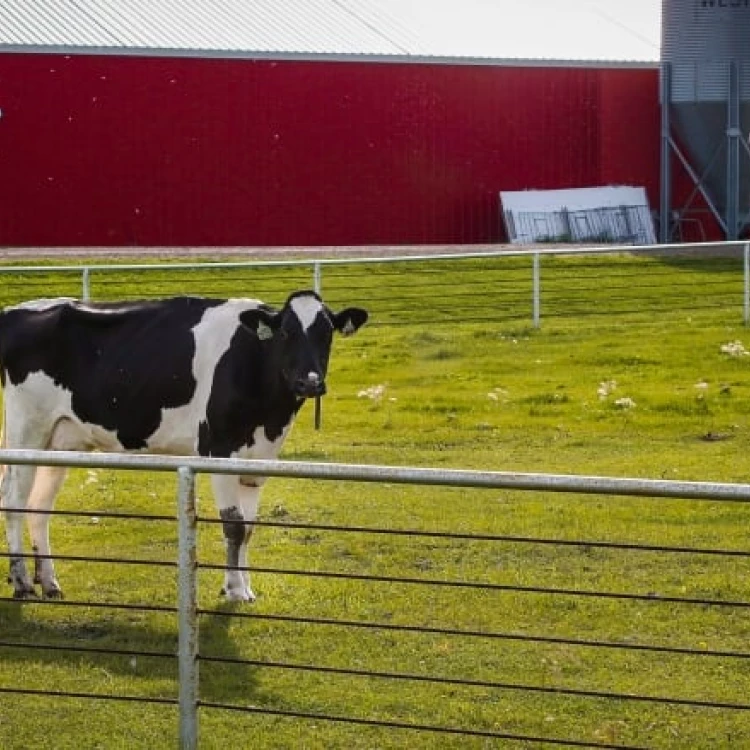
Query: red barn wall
[(106, 150)]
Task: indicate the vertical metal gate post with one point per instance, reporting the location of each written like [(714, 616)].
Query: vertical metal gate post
[(665, 154), (86, 284), (318, 286), (733, 134), (317, 280), (537, 290), (187, 607), (746, 276)]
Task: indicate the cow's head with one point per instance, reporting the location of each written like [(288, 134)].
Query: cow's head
[(300, 335)]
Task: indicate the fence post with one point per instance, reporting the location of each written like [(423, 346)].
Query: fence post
[(187, 607), (537, 290), (746, 295), (318, 285), (86, 283), (317, 278)]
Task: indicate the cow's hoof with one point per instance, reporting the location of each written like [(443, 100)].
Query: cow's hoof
[(25, 594), (238, 595), (53, 593)]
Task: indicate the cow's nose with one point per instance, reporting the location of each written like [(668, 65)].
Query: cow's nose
[(311, 384)]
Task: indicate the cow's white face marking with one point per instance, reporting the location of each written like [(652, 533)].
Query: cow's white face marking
[(306, 309)]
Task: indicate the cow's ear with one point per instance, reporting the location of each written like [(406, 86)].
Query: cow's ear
[(349, 321), (263, 323)]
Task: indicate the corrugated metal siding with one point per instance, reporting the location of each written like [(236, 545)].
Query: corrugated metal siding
[(629, 126), (418, 28), (173, 151), (699, 39), (50, 22), (261, 25)]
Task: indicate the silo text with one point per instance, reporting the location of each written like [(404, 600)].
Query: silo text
[(725, 3)]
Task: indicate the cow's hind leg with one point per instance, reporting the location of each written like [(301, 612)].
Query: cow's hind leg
[(237, 499), (47, 484), (16, 485)]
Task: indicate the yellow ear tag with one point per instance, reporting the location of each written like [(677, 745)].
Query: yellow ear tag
[(264, 332)]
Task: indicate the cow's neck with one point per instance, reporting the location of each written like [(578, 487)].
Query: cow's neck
[(277, 404)]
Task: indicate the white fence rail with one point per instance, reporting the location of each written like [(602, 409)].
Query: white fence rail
[(186, 469), (317, 269)]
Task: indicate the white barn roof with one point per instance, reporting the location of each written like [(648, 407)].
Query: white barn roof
[(577, 30)]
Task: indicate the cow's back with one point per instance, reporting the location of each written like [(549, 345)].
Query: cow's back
[(115, 367)]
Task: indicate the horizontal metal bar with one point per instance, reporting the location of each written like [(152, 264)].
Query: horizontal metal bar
[(460, 536), (88, 696), (467, 682), (391, 724), (99, 650), (410, 533), (91, 605), (392, 474), (91, 559), (94, 513), (460, 633), (485, 586)]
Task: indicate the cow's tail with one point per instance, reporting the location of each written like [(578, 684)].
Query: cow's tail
[(3, 445), (4, 424), (3, 467)]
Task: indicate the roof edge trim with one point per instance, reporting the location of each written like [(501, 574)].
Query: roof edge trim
[(322, 56)]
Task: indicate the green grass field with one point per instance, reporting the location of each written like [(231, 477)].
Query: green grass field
[(638, 370)]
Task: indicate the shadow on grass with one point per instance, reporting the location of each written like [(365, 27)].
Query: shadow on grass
[(705, 260), (134, 645), (228, 679)]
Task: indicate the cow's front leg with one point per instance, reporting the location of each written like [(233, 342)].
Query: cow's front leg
[(47, 483), (237, 499), (16, 485)]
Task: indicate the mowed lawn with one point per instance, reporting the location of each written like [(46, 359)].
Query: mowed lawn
[(639, 369)]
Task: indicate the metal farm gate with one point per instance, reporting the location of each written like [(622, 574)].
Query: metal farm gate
[(192, 705)]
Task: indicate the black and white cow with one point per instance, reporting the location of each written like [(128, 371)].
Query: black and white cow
[(182, 376)]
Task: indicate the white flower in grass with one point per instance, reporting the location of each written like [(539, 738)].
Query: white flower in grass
[(625, 403), (374, 392), (734, 349), (606, 388), (498, 394)]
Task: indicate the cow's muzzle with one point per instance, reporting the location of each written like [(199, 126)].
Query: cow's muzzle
[(309, 385)]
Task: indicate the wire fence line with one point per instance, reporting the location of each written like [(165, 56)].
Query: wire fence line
[(189, 654), (484, 634), (513, 285), (496, 587)]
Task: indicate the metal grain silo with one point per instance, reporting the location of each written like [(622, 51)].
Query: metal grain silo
[(705, 66)]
